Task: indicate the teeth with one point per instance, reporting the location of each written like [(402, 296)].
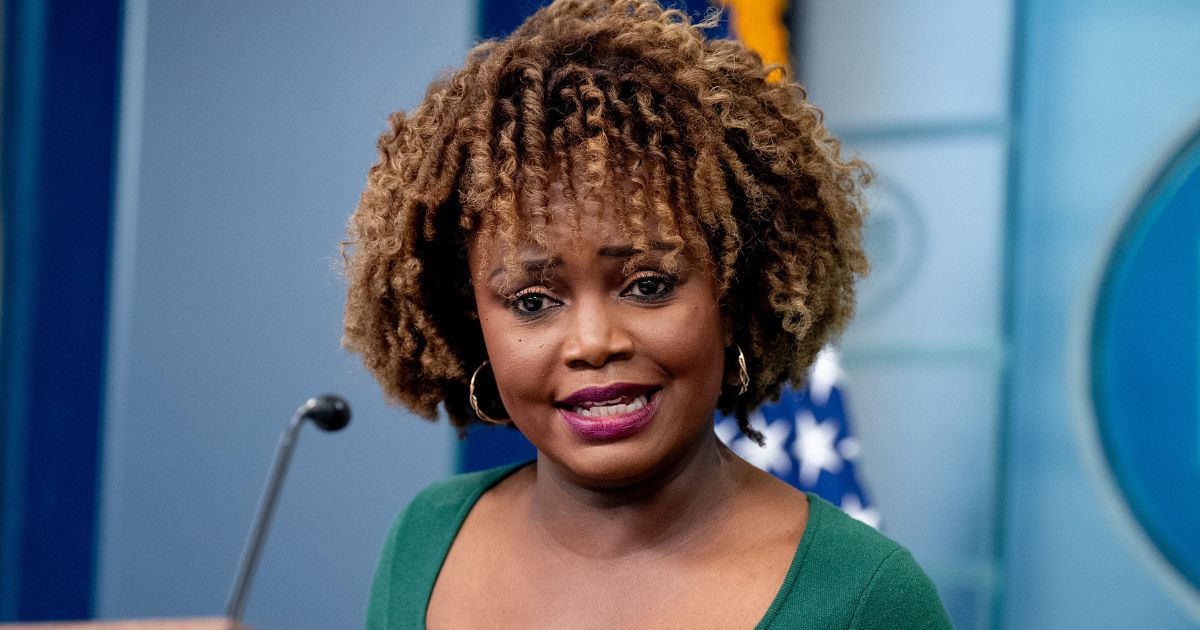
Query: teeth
[(605, 409)]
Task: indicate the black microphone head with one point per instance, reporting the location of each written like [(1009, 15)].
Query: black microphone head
[(329, 412)]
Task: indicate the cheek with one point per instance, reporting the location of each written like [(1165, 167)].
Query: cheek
[(502, 345), (689, 344), (518, 357), (512, 350), (688, 335)]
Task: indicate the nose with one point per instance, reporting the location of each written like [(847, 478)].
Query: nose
[(596, 336)]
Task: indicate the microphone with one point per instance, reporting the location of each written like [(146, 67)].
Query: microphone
[(329, 413)]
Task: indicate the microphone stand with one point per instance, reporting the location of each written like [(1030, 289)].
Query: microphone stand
[(330, 413)]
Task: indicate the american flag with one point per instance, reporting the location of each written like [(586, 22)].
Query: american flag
[(809, 443)]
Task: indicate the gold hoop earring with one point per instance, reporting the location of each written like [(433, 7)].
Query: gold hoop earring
[(743, 373), (475, 403)]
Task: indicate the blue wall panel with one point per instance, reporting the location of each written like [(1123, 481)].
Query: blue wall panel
[(1107, 93), (247, 129), (60, 96)]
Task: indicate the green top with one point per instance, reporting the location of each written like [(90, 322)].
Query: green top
[(844, 574)]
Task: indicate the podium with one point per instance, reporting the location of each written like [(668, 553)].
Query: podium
[(191, 623)]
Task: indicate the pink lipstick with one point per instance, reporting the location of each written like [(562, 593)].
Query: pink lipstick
[(611, 412)]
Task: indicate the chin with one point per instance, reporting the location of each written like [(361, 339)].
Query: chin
[(627, 462), (611, 466)]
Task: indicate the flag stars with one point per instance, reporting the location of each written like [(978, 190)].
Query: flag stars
[(815, 447), (772, 456), (727, 431), (849, 448), (854, 508), (808, 442)]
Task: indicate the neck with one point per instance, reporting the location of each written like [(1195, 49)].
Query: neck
[(662, 511)]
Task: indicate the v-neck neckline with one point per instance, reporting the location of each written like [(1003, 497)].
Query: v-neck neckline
[(816, 512)]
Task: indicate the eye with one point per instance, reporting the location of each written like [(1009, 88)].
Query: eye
[(531, 302), (650, 287)]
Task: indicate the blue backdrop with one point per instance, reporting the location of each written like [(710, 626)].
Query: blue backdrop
[(60, 73)]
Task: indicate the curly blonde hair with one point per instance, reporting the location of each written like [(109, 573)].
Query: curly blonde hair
[(737, 171)]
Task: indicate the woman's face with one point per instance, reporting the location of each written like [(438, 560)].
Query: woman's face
[(611, 375)]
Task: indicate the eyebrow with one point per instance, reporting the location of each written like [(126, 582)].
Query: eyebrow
[(625, 251), (536, 266), (542, 265)]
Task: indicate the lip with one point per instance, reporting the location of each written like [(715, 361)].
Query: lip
[(609, 427), (605, 392)]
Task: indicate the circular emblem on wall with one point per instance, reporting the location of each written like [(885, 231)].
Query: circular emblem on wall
[(894, 238), (1145, 363)]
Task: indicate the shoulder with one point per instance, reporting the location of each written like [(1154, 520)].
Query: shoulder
[(859, 578), (441, 506), (444, 500), (418, 541)]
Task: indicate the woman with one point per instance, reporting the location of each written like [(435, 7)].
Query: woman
[(600, 230)]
